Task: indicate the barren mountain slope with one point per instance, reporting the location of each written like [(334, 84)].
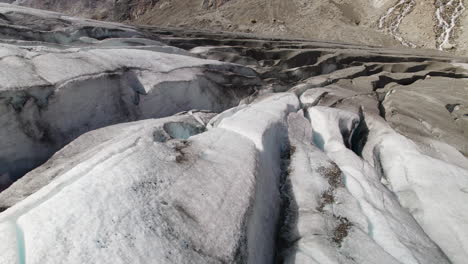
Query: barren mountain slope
[(337, 20), (428, 24), (345, 20)]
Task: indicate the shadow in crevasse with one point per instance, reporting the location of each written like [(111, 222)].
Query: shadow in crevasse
[(115, 98), (288, 233)]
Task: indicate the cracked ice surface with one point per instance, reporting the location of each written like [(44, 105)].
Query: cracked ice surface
[(40, 90), (362, 160), (434, 191), (387, 222), (152, 184), (173, 201)]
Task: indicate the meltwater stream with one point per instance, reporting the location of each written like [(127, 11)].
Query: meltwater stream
[(392, 19), (447, 14)]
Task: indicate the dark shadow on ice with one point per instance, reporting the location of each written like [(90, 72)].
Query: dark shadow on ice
[(288, 233), (318, 140), (360, 135)]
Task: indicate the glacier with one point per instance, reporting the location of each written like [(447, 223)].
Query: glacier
[(137, 144)]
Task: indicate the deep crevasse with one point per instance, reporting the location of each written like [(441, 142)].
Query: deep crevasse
[(399, 169)]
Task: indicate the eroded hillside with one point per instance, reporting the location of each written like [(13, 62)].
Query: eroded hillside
[(428, 24)]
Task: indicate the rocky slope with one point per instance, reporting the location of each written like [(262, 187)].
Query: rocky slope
[(133, 144), (429, 24)]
